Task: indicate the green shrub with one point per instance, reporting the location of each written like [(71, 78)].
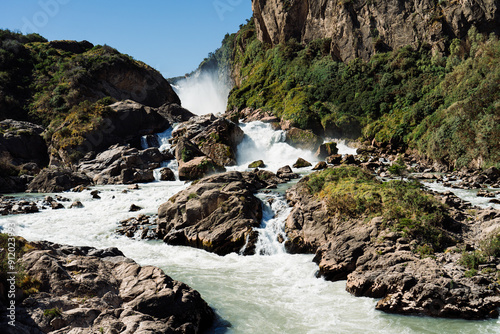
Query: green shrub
[(353, 192), (472, 260), (52, 313)]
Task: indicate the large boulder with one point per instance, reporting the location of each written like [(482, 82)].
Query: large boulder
[(303, 139), (52, 180), (216, 137), (82, 289), (197, 168), (127, 122), (325, 150), (123, 165), (219, 214)]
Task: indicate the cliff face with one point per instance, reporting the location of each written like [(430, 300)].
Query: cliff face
[(359, 28)]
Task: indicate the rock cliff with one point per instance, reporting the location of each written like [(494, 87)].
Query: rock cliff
[(360, 28)]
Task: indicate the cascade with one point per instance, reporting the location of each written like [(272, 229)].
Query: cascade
[(272, 235)]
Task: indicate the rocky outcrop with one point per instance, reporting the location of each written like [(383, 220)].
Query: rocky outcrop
[(22, 143), (123, 165), (218, 214), (128, 122), (53, 180), (380, 262), (86, 290), (360, 28)]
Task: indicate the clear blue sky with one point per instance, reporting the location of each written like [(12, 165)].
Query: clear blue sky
[(173, 36)]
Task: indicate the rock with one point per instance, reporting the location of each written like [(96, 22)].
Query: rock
[(123, 165), (257, 164), (485, 193), (79, 189), (95, 194), (197, 168), (132, 175), (218, 214), (286, 173), (303, 139), (216, 137), (55, 205), (76, 205), (146, 225), (93, 289), (334, 159), (301, 163), (174, 113), (166, 174), (325, 150), (134, 208), (349, 159), (186, 151), (379, 262), (350, 25), (495, 201), (320, 165), (52, 180), (22, 143), (492, 173), (15, 206)]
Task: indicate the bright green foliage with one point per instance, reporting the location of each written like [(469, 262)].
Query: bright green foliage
[(353, 192), (447, 107)]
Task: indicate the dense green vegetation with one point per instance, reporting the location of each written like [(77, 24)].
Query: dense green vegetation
[(353, 192), (446, 107)]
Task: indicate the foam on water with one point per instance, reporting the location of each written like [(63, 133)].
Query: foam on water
[(272, 293), (469, 195)]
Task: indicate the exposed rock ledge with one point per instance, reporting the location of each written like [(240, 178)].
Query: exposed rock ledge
[(85, 290), (380, 263)]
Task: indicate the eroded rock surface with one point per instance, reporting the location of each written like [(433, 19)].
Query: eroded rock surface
[(86, 290), (218, 214)]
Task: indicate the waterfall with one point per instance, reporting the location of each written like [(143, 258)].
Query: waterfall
[(164, 146), (262, 142), (203, 93)]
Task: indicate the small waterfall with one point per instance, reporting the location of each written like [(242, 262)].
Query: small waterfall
[(262, 142), (272, 235), (164, 146)]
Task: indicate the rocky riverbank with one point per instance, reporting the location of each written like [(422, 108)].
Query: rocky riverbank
[(416, 265), (81, 289)]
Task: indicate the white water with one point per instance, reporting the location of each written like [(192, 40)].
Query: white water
[(469, 195), (203, 93), (276, 293), (261, 142), (271, 293)]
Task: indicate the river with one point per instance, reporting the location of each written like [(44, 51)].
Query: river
[(272, 292)]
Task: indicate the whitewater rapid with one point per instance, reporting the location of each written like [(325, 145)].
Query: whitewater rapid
[(271, 292)]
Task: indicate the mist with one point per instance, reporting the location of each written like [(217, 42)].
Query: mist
[(203, 93)]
